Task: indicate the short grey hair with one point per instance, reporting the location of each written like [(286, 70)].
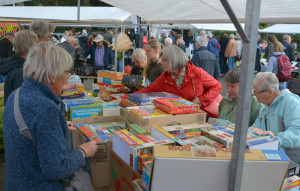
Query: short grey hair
[(202, 41), (209, 34), (41, 28), (168, 41), (266, 81), (23, 41), (231, 36), (233, 76), (286, 37), (176, 57), (45, 60), (139, 54)]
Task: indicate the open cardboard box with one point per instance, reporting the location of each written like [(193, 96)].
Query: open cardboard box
[(146, 123), (123, 175), (101, 163), (182, 168)]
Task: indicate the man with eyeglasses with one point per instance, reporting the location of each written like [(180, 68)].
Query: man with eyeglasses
[(281, 115)]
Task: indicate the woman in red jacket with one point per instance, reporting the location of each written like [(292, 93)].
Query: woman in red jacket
[(184, 79)]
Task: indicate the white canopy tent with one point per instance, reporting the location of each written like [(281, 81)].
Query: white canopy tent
[(217, 27), (283, 28), (207, 11), (96, 14), (9, 2)]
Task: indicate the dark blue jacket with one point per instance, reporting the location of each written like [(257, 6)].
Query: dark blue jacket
[(207, 61), (12, 68), (30, 168), (108, 55), (289, 50), (187, 40)]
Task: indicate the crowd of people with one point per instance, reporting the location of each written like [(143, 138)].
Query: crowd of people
[(39, 70)]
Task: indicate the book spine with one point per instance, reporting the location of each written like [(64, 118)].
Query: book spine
[(163, 131), (125, 138), (131, 136), (145, 138)]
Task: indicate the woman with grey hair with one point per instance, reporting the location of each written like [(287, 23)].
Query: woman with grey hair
[(228, 105), (12, 67), (140, 59), (43, 29), (43, 161), (184, 79)]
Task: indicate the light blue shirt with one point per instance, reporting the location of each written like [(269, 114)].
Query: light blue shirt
[(99, 56)]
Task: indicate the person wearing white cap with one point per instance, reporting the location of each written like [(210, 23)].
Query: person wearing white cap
[(101, 54)]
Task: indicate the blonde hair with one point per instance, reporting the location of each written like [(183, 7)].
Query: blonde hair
[(278, 47), (155, 44), (23, 41), (41, 28), (139, 54), (45, 60)]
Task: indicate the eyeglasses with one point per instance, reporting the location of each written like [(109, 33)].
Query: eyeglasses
[(254, 92), (69, 73)]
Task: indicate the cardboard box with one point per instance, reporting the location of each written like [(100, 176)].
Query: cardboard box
[(101, 163), (122, 175), (182, 168), (110, 74), (163, 120)]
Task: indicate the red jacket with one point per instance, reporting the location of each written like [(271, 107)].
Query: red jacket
[(207, 88)]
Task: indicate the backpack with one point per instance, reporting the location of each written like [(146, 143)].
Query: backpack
[(284, 68)]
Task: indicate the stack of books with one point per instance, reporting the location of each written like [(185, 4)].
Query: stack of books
[(176, 106), (148, 98)]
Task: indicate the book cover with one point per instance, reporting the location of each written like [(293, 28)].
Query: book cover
[(148, 98), (131, 136), (176, 106), (145, 138), (137, 130)]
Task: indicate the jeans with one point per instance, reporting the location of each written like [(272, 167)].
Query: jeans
[(231, 63)]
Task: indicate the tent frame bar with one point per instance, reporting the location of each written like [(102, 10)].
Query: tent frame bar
[(249, 37)]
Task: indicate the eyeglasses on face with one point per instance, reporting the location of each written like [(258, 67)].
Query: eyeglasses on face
[(68, 72), (255, 92)]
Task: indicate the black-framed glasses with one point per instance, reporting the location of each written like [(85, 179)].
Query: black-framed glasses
[(255, 92)]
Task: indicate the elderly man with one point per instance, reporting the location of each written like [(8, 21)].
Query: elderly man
[(188, 38), (6, 46), (288, 48), (101, 54), (280, 117), (43, 29), (205, 59), (168, 42)]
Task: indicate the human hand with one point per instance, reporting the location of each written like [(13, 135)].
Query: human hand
[(89, 148), (197, 101), (139, 87), (69, 86), (258, 131), (70, 126)]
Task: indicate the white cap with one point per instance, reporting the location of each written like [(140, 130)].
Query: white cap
[(98, 38)]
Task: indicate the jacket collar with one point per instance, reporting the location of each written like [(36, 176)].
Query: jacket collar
[(203, 48), (39, 87)]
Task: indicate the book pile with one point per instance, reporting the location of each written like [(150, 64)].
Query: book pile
[(146, 111), (176, 106), (100, 132), (110, 82), (148, 98)]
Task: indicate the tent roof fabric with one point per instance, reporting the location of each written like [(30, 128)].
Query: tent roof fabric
[(283, 28), (9, 2), (207, 11), (219, 26), (103, 14)]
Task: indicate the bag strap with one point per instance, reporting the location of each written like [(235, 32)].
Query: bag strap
[(23, 128), (194, 87)]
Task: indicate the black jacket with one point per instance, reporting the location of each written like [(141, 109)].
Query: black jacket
[(207, 61), (83, 42), (289, 50), (6, 49), (108, 55), (12, 68), (223, 43)]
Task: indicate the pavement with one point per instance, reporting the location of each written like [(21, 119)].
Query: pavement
[(88, 85)]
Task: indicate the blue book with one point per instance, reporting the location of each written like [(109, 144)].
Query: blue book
[(275, 155)]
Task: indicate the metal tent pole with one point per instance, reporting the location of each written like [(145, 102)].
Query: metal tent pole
[(245, 94), (78, 10), (116, 52)]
